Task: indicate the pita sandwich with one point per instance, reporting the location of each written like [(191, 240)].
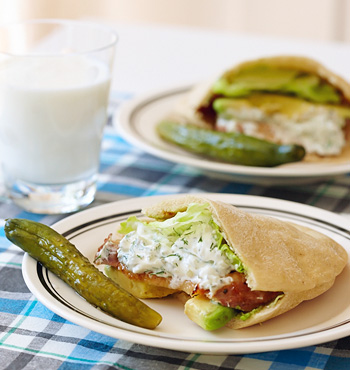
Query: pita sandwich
[(281, 99), (230, 268)]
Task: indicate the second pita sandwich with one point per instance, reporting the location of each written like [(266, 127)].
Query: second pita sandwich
[(281, 99)]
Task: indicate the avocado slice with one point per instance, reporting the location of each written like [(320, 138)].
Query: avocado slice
[(311, 88), (272, 103), (208, 314), (280, 80)]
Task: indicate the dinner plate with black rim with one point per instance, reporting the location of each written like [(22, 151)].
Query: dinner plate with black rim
[(136, 122), (322, 319)]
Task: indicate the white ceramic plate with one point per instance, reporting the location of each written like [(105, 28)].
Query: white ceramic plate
[(323, 319), (136, 121)]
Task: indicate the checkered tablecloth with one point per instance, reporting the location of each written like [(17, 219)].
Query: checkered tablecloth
[(33, 337)]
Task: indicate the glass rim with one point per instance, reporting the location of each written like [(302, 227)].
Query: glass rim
[(62, 21)]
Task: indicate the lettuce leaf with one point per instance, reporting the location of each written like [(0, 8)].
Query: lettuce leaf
[(129, 225), (172, 227), (236, 262), (246, 315)]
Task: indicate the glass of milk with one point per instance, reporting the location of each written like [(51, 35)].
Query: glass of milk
[(54, 86)]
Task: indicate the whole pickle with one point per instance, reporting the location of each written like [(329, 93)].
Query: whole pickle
[(229, 147), (63, 259)]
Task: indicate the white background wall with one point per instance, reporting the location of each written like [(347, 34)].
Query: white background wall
[(325, 20)]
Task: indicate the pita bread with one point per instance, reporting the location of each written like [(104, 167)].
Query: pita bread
[(277, 255)]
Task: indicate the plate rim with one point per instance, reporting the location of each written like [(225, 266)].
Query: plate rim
[(122, 120), (242, 347)]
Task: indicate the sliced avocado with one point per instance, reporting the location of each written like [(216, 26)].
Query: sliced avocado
[(207, 314), (273, 103), (262, 77), (309, 87), (268, 103), (343, 111), (286, 81)]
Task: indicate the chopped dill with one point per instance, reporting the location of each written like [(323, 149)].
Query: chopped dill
[(158, 273), (173, 255), (178, 234)]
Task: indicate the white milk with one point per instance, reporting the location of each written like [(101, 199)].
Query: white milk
[(52, 114)]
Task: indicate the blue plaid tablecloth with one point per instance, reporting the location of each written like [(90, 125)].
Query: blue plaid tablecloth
[(33, 337)]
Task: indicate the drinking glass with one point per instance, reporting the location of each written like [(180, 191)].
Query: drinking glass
[(55, 79)]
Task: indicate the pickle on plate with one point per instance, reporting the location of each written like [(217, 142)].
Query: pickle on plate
[(63, 259), (230, 147)]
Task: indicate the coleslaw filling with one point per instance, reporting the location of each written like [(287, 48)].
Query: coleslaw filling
[(186, 247)]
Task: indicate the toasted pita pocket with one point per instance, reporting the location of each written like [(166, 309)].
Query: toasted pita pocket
[(196, 107), (278, 256)]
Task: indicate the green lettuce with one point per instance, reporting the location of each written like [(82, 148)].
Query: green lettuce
[(246, 315)]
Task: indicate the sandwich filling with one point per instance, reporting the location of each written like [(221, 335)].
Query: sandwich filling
[(319, 129), (186, 252)]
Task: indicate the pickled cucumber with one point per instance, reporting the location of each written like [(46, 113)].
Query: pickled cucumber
[(230, 147), (63, 259)]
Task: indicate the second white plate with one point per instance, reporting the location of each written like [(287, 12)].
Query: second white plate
[(136, 122)]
